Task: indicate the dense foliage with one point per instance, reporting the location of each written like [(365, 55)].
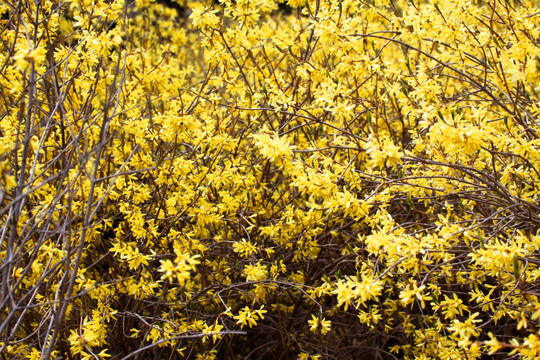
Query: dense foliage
[(307, 179)]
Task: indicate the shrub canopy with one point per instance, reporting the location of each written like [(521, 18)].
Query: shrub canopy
[(307, 179)]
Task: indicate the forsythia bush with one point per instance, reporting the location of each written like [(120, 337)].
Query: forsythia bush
[(263, 179)]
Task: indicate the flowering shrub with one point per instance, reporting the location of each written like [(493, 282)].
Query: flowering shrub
[(305, 179)]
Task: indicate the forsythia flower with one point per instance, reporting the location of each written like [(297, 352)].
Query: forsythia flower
[(451, 307), (245, 248), (384, 153), (414, 293), (202, 17), (315, 322), (248, 317), (464, 330), (28, 53), (272, 147), (180, 269), (256, 272), (296, 3)]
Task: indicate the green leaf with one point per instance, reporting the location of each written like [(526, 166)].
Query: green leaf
[(516, 267), (409, 201)]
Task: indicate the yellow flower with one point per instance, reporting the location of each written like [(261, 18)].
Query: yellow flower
[(202, 17), (325, 326), (245, 248), (29, 53), (313, 323), (248, 317), (180, 269), (256, 272), (273, 146), (384, 153), (413, 293)]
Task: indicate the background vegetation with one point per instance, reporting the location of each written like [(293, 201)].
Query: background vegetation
[(252, 179)]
